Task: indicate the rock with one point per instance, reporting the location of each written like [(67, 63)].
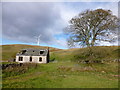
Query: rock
[(103, 71)]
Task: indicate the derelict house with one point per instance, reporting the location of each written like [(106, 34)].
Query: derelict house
[(33, 56)]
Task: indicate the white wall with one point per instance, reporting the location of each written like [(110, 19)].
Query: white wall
[(35, 59)]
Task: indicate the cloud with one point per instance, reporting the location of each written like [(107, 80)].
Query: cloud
[(109, 6), (24, 21), (60, 0)]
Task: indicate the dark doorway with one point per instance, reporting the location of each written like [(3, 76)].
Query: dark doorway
[(30, 59)]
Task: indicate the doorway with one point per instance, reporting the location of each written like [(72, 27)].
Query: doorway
[(30, 59)]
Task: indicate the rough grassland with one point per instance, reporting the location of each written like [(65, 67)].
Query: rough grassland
[(64, 71), (106, 53), (65, 75), (9, 51)]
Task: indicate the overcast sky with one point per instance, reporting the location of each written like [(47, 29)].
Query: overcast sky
[(22, 22)]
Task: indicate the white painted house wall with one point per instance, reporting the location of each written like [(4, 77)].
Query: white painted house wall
[(35, 59)]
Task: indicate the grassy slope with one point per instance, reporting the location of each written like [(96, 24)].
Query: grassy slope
[(104, 52), (64, 73), (9, 51), (100, 52)]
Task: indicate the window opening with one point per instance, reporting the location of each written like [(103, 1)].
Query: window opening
[(40, 59), (20, 58)]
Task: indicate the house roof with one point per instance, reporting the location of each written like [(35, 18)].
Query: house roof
[(33, 52)]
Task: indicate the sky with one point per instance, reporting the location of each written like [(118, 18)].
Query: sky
[(23, 22)]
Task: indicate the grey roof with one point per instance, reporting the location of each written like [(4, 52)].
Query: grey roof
[(33, 52)]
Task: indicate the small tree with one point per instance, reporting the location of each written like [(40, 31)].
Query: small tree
[(92, 26)]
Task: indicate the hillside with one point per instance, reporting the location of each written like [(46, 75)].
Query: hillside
[(65, 71), (76, 54), (9, 51), (105, 53)]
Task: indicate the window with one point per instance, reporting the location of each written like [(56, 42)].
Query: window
[(30, 59), (41, 52), (40, 59), (20, 58), (23, 51)]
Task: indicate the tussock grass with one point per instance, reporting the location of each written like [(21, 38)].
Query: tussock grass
[(65, 75), (18, 70), (104, 53), (64, 71)]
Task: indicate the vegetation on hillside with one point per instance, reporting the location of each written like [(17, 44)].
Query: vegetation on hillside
[(100, 53), (65, 69), (9, 51), (62, 75)]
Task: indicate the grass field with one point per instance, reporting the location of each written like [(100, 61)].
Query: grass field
[(64, 75), (64, 71), (105, 53)]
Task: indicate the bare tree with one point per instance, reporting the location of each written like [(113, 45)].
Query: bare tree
[(92, 26)]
